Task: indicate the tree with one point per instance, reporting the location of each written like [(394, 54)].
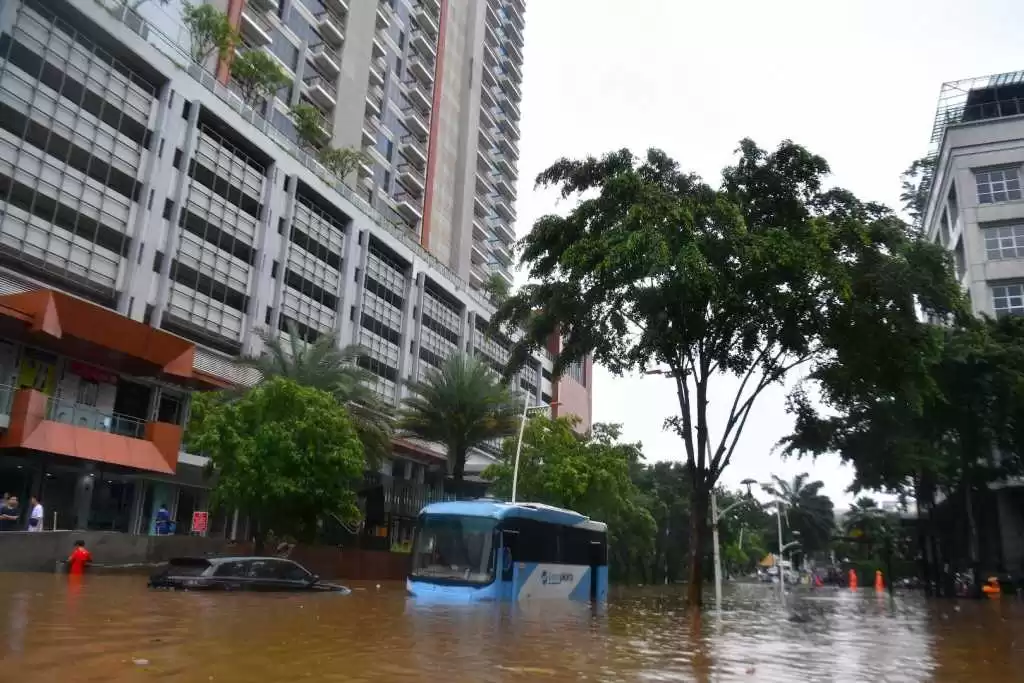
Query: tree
[(310, 127), (325, 366), (257, 75), (497, 288), (461, 405), (341, 161), (210, 31), (808, 513), (958, 433), (665, 487), (588, 474), (768, 274), (917, 182), (285, 454)]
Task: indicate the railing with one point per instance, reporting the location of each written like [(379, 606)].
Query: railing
[(405, 497), (178, 55), (81, 415), (257, 18), (314, 81)]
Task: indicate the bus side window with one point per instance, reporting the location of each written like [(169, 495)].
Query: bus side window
[(510, 554)]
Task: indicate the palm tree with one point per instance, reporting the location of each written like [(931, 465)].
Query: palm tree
[(461, 405), (807, 511), (326, 366)]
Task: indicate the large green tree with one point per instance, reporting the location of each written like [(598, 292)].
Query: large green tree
[(586, 473), (957, 428), (326, 366), (728, 290), (463, 404), (807, 511), (285, 454)]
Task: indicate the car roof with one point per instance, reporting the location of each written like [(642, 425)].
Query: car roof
[(229, 558)]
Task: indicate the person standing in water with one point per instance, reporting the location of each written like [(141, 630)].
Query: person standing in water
[(79, 559)]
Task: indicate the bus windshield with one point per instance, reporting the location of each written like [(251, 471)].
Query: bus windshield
[(454, 548)]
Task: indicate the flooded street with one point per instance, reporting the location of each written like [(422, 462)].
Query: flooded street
[(111, 628)]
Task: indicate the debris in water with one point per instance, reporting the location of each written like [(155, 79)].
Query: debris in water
[(140, 662)]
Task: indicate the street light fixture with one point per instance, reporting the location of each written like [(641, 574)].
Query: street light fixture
[(519, 444)]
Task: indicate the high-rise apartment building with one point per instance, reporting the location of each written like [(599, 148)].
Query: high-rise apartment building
[(153, 221), (975, 208)]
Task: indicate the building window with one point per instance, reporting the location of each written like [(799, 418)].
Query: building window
[(960, 259), (1004, 242), (998, 185), (1008, 300)]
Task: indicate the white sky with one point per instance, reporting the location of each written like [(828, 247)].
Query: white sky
[(854, 81)]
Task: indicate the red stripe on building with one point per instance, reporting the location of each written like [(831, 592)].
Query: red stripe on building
[(235, 19), (435, 123)]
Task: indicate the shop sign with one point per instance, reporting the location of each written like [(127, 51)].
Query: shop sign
[(200, 522)]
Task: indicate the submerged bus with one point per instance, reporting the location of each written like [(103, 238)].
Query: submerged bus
[(489, 551)]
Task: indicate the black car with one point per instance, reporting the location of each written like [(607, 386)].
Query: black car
[(239, 574)]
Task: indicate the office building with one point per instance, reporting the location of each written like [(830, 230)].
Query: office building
[(152, 222), (975, 209)]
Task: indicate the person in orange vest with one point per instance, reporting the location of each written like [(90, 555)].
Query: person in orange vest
[(879, 583), (79, 559), (853, 579), (992, 589)]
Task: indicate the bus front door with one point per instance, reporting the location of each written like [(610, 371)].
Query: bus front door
[(596, 562)]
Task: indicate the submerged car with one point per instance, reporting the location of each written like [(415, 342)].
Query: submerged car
[(239, 574)]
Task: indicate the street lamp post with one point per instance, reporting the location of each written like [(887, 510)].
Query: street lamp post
[(519, 443), (716, 516)]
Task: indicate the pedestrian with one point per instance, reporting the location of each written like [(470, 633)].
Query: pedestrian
[(9, 514), (163, 520), (35, 517), (79, 559)]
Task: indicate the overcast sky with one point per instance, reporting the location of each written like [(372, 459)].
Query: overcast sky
[(856, 82)]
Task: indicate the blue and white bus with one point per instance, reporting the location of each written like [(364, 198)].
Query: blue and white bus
[(489, 551)]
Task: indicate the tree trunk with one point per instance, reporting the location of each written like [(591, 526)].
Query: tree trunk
[(698, 532), (458, 464), (259, 540)]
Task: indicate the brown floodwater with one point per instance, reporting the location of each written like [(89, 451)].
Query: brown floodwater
[(111, 628)]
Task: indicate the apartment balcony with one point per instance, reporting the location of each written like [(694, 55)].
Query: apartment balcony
[(490, 56), (366, 167), (426, 21), (418, 96), (382, 20), (415, 124), (331, 28), (375, 100), (483, 163), (480, 207), (378, 67), (369, 135), (510, 88), (340, 6), (492, 14), (265, 5), (513, 32), (409, 207), (378, 51), (412, 179), (502, 253), (504, 210), (478, 255), (487, 97), (513, 69), (513, 12), (514, 51), (487, 77), (502, 229), (483, 188), (255, 29), (433, 6), (510, 148), (286, 69), (512, 108), (423, 43), (326, 59), (486, 141), (414, 151), (477, 276), (321, 92), (503, 164), (505, 275), (504, 187), (486, 118), (422, 69), (479, 231), (377, 156)]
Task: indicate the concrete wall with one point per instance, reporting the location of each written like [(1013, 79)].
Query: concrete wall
[(24, 551)]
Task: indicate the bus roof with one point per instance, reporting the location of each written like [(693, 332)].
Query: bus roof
[(497, 509)]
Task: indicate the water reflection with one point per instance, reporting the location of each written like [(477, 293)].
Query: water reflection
[(113, 629)]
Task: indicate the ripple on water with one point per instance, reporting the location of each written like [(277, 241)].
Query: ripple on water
[(114, 629)]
